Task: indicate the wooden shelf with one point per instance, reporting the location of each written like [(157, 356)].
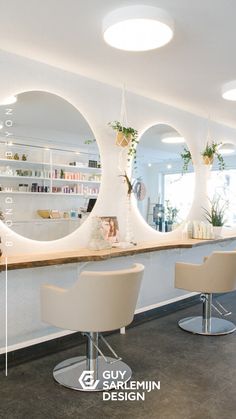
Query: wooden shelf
[(86, 255), (46, 220)]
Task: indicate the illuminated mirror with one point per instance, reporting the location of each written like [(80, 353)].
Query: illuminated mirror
[(50, 169), (169, 185)]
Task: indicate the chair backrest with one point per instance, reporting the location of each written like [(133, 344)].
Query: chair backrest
[(98, 301), (217, 274)]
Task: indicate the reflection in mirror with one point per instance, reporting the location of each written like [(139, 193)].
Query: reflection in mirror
[(222, 184), (160, 166), (49, 166)]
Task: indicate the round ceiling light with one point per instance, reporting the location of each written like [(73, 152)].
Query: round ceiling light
[(229, 91), (8, 101), (173, 140), (138, 28), (227, 148)]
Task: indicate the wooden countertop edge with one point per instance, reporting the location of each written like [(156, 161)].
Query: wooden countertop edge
[(36, 261)]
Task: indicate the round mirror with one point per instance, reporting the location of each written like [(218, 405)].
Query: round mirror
[(164, 165), (49, 166), (221, 188)]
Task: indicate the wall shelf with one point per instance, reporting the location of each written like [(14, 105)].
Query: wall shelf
[(65, 188), (49, 179), (48, 193), (56, 165)]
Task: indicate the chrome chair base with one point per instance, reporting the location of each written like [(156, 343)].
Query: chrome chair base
[(73, 373), (213, 326)]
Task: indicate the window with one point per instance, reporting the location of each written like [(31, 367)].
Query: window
[(178, 190)]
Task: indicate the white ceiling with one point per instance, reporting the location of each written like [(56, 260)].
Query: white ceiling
[(187, 73)]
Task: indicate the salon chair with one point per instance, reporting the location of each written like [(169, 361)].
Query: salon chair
[(217, 274), (97, 302)]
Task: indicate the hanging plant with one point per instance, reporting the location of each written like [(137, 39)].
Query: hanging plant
[(211, 151), (126, 136), (132, 152), (187, 158), (88, 142)]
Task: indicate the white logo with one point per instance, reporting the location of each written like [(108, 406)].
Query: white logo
[(87, 381)]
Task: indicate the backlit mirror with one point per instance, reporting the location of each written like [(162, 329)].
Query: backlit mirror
[(49, 166), (169, 182)]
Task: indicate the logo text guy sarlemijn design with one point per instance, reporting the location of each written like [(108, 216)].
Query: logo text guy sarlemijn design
[(129, 390)]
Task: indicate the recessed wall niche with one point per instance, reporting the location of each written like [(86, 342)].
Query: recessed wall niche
[(169, 184), (50, 169)]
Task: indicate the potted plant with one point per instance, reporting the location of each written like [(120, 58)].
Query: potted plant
[(187, 158), (171, 216), (216, 215), (126, 136), (211, 151)]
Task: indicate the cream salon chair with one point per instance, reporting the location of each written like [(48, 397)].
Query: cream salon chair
[(97, 302), (217, 274)]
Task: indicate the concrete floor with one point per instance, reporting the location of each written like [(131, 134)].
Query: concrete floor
[(197, 376)]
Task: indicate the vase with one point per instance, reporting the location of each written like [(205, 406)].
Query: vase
[(208, 160), (129, 226), (217, 230), (168, 226), (122, 140)]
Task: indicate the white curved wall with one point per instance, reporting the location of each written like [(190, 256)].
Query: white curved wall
[(100, 103)]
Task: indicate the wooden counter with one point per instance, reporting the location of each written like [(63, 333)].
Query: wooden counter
[(86, 255)]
